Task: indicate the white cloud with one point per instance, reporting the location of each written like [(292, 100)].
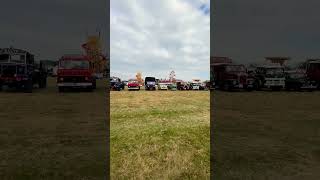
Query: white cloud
[(155, 37)]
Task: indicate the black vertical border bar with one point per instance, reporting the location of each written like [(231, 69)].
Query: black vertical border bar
[(107, 101), (212, 107)]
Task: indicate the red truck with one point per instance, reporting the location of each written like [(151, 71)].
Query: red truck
[(232, 76), (74, 71), (133, 84)]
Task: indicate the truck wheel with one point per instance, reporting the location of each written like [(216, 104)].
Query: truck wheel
[(28, 85), (0, 87)]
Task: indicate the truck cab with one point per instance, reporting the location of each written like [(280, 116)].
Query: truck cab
[(231, 76), (270, 77), (181, 86), (172, 87), (313, 71), (74, 71), (195, 85), (133, 84), (298, 80), (163, 86), (18, 69), (150, 83), (116, 84)]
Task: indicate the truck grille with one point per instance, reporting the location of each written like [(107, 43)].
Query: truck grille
[(7, 70), (73, 79)]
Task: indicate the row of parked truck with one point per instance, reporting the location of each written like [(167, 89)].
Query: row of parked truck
[(18, 69), (151, 83), (230, 76)]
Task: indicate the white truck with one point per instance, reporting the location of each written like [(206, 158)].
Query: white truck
[(163, 86), (270, 77)]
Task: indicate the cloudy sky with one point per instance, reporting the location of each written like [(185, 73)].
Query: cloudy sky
[(50, 29), (249, 30), (155, 37)]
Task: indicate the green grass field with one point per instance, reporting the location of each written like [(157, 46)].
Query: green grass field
[(266, 135), (51, 135), (160, 135)]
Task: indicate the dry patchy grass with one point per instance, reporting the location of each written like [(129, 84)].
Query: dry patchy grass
[(160, 135), (266, 135), (49, 135)]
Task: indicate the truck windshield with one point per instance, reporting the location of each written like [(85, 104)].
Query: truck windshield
[(74, 64), (274, 71), (151, 82), (235, 69), (314, 66), (150, 79), (18, 58), (4, 58)]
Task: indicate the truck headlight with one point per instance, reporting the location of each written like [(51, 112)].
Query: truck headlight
[(61, 79)]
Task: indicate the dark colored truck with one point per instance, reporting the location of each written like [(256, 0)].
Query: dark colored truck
[(313, 71), (75, 71), (182, 86), (150, 83), (116, 84), (18, 69), (298, 80), (230, 76)]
